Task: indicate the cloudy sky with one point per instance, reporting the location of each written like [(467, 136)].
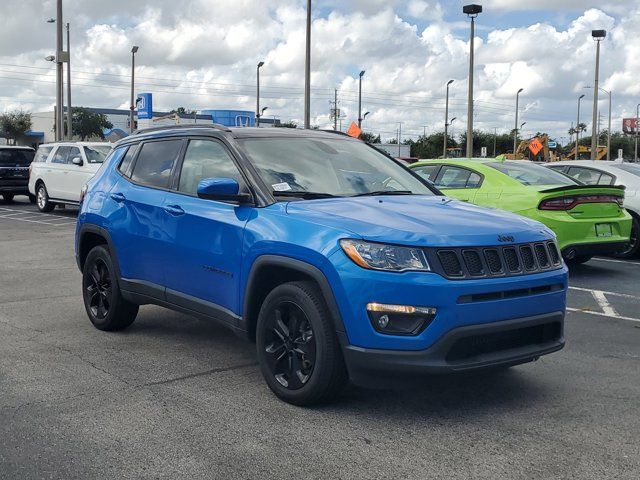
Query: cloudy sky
[(202, 54)]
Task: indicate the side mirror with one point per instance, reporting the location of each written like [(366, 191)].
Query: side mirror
[(222, 189), (77, 161)]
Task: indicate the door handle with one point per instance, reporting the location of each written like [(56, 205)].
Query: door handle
[(118, 197), (174, 210)]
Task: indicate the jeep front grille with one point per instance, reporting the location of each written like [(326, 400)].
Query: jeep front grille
[(495, 261)]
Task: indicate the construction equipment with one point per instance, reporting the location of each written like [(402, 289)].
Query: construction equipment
[(524, 150), (601, 153), (172, 116)]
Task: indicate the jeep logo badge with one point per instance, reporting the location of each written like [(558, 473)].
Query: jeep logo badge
[(506, 238)]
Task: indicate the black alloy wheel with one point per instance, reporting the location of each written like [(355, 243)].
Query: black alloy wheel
[(633, 247), (98, 290), (290, 346)]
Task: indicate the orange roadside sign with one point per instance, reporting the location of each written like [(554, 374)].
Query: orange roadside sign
[(354, 131), (535, 146)]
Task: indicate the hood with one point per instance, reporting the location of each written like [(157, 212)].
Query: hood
[(420, 220)]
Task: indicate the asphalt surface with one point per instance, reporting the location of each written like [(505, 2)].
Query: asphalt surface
[(175, 397)]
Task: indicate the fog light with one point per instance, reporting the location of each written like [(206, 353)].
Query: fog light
[(400, 319), (383, 321)]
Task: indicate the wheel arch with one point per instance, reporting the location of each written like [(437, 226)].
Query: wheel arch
[(91, 236), (269, 271)]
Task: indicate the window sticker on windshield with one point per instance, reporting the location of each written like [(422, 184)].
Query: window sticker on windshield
[(281, 187)]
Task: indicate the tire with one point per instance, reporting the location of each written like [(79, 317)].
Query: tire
[(42, 199), (298, 351), (103, 301), (634, 244), (32, 198), (578, 260), (8, 197)]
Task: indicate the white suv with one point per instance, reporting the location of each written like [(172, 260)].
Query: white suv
[(60, 170)]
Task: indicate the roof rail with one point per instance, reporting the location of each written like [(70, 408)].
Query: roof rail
[(215, 126)]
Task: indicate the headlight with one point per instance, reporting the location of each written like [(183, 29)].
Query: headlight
[(377, 256)]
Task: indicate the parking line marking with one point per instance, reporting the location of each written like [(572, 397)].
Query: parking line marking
[(615, 261), (604, 304), (615, 294), (601, 314)]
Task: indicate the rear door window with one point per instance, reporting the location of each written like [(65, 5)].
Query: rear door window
[(456, 177), (73, 153), (14, 156), (60, 155), (155, 163), (428, 172)]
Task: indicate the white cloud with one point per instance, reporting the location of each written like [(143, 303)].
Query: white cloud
[(202, 54)]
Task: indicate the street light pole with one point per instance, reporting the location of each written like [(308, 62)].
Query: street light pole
[(446, 121), (578, 125), (515, 133), (635, 154), (258, 93), (59, 70), (472, 12), (360, 100), (598, 36), (69, 131), (132, 107), (307, 72)]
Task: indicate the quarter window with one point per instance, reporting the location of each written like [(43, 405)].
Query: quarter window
[(127, 161), (206, 159), (155, 163), (590, 176), (42, 154)]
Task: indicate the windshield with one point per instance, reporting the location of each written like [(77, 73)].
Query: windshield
[(13, 157), (97, 154), (314, 167), (630, 168), (530, 174)]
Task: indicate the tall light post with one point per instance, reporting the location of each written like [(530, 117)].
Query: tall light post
[(451, 125), (635, 151), (608, 92), (59, 59), (515, 133), (598, 36), (69, 131), (446, 121), (307, 72), (360, 100), (260, 65), (578, 125), (132, 107), (472, 12)]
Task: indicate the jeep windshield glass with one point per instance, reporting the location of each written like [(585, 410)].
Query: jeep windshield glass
[(530, 174), (97, 154), (328, 167), (11, 157)]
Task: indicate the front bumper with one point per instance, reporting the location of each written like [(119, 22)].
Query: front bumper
[(472, 347)]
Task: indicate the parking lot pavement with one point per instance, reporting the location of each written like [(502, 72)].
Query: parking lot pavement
[(174, 397)]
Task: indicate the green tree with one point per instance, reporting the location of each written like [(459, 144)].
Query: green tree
[(289, 124), (431, 145), (183, 111), (370, 137), (392, 141), (14, 125), (86, 124)]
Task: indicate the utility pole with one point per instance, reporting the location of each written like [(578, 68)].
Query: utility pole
[(360, 100), (132, 105), (307, 72), (69, 131), (446, 121), (515, 133), (635, 151), (335, 109), (495, 141), (399, 137), (260, 64), (59, 70)]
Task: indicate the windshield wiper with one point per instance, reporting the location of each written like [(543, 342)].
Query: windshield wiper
[(384, 192), (303, 195)]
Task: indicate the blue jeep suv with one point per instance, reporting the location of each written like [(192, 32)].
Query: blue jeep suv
[(338, 262)]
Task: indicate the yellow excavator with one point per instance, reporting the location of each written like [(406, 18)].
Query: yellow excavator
[(601, 152), (522, 152)]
